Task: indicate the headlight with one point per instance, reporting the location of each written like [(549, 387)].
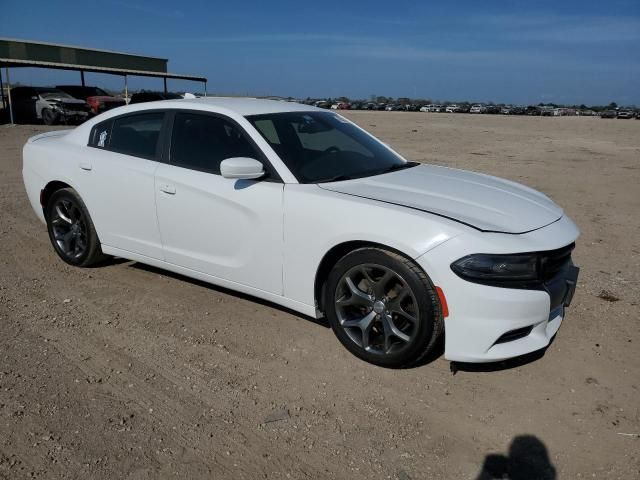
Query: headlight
[(498, 269)]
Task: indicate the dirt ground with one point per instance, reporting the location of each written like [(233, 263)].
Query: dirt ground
[(125, 371)]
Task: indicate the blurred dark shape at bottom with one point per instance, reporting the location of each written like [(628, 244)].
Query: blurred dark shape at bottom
[(527, 459)]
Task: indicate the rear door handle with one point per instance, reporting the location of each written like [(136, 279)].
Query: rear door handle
[(85, 165), (170, 189)]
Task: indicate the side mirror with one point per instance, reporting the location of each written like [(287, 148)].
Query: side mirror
[(241, 168)]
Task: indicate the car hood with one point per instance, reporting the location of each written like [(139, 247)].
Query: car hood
[(64, 100), (481, 201)]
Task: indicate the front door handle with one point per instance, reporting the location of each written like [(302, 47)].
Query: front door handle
[(170, 189), (85, 165)]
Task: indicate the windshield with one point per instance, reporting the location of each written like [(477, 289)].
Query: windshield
[(324, 147)]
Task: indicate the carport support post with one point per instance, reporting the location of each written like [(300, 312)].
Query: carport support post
[(126, 90), (6, 69), (165, 84), (82, 77), (205, 89), (4, 103)]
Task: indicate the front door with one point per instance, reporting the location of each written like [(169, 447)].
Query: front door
[(230, 229)]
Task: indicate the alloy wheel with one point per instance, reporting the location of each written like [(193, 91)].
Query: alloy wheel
[(377, 309), (69, 228)]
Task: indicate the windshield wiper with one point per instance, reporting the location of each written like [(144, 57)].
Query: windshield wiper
[(400, 166), (392, 168), (337, 178)]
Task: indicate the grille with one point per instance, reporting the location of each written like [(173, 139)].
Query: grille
[(554, 261)]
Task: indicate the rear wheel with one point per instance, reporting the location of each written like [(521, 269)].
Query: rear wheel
[(71, 229), (382, 307)]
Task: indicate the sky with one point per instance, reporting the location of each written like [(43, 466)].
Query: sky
[(509, 51)]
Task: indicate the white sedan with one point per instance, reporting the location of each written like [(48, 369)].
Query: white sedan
[(301, 207)]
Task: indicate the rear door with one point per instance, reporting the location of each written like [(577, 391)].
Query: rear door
[(226, 228), (116, 181)]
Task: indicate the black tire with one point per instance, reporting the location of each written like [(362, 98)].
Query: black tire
[(371, 266), (49, 117), (71, 229)]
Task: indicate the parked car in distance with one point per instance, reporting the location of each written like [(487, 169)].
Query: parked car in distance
[(478, 109), (49, 105), (425, 108), (276, 200), (492, 109), (452, 109), (626, 114), (142, 97), (608, 114), (506, 110), (97, 99)]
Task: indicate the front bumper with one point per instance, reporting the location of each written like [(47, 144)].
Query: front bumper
[(73, 115), (490, 324)]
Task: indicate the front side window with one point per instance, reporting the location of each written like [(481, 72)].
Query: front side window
[(323, 147), (202, 142), (135, 135)]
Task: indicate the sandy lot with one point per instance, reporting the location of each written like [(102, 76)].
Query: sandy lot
[(125, 371)]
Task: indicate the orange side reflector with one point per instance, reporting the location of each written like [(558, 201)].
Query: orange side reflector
[(443, 302)]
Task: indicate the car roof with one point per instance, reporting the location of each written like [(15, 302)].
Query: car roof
[(47, 89), (241, 106), (225, 105)]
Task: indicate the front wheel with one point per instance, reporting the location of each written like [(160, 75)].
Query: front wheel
[(383, 308), (49, 117), (71, 229)]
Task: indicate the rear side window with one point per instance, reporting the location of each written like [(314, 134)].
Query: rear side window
[(201, 142), (135, 135), (101, 134)]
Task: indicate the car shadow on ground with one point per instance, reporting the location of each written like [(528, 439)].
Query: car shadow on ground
[(527, 459), (147, 268)]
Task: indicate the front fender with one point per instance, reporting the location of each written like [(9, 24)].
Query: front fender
[(317, 220)]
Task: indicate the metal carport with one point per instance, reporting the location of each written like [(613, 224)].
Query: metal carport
[(26, 53)]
